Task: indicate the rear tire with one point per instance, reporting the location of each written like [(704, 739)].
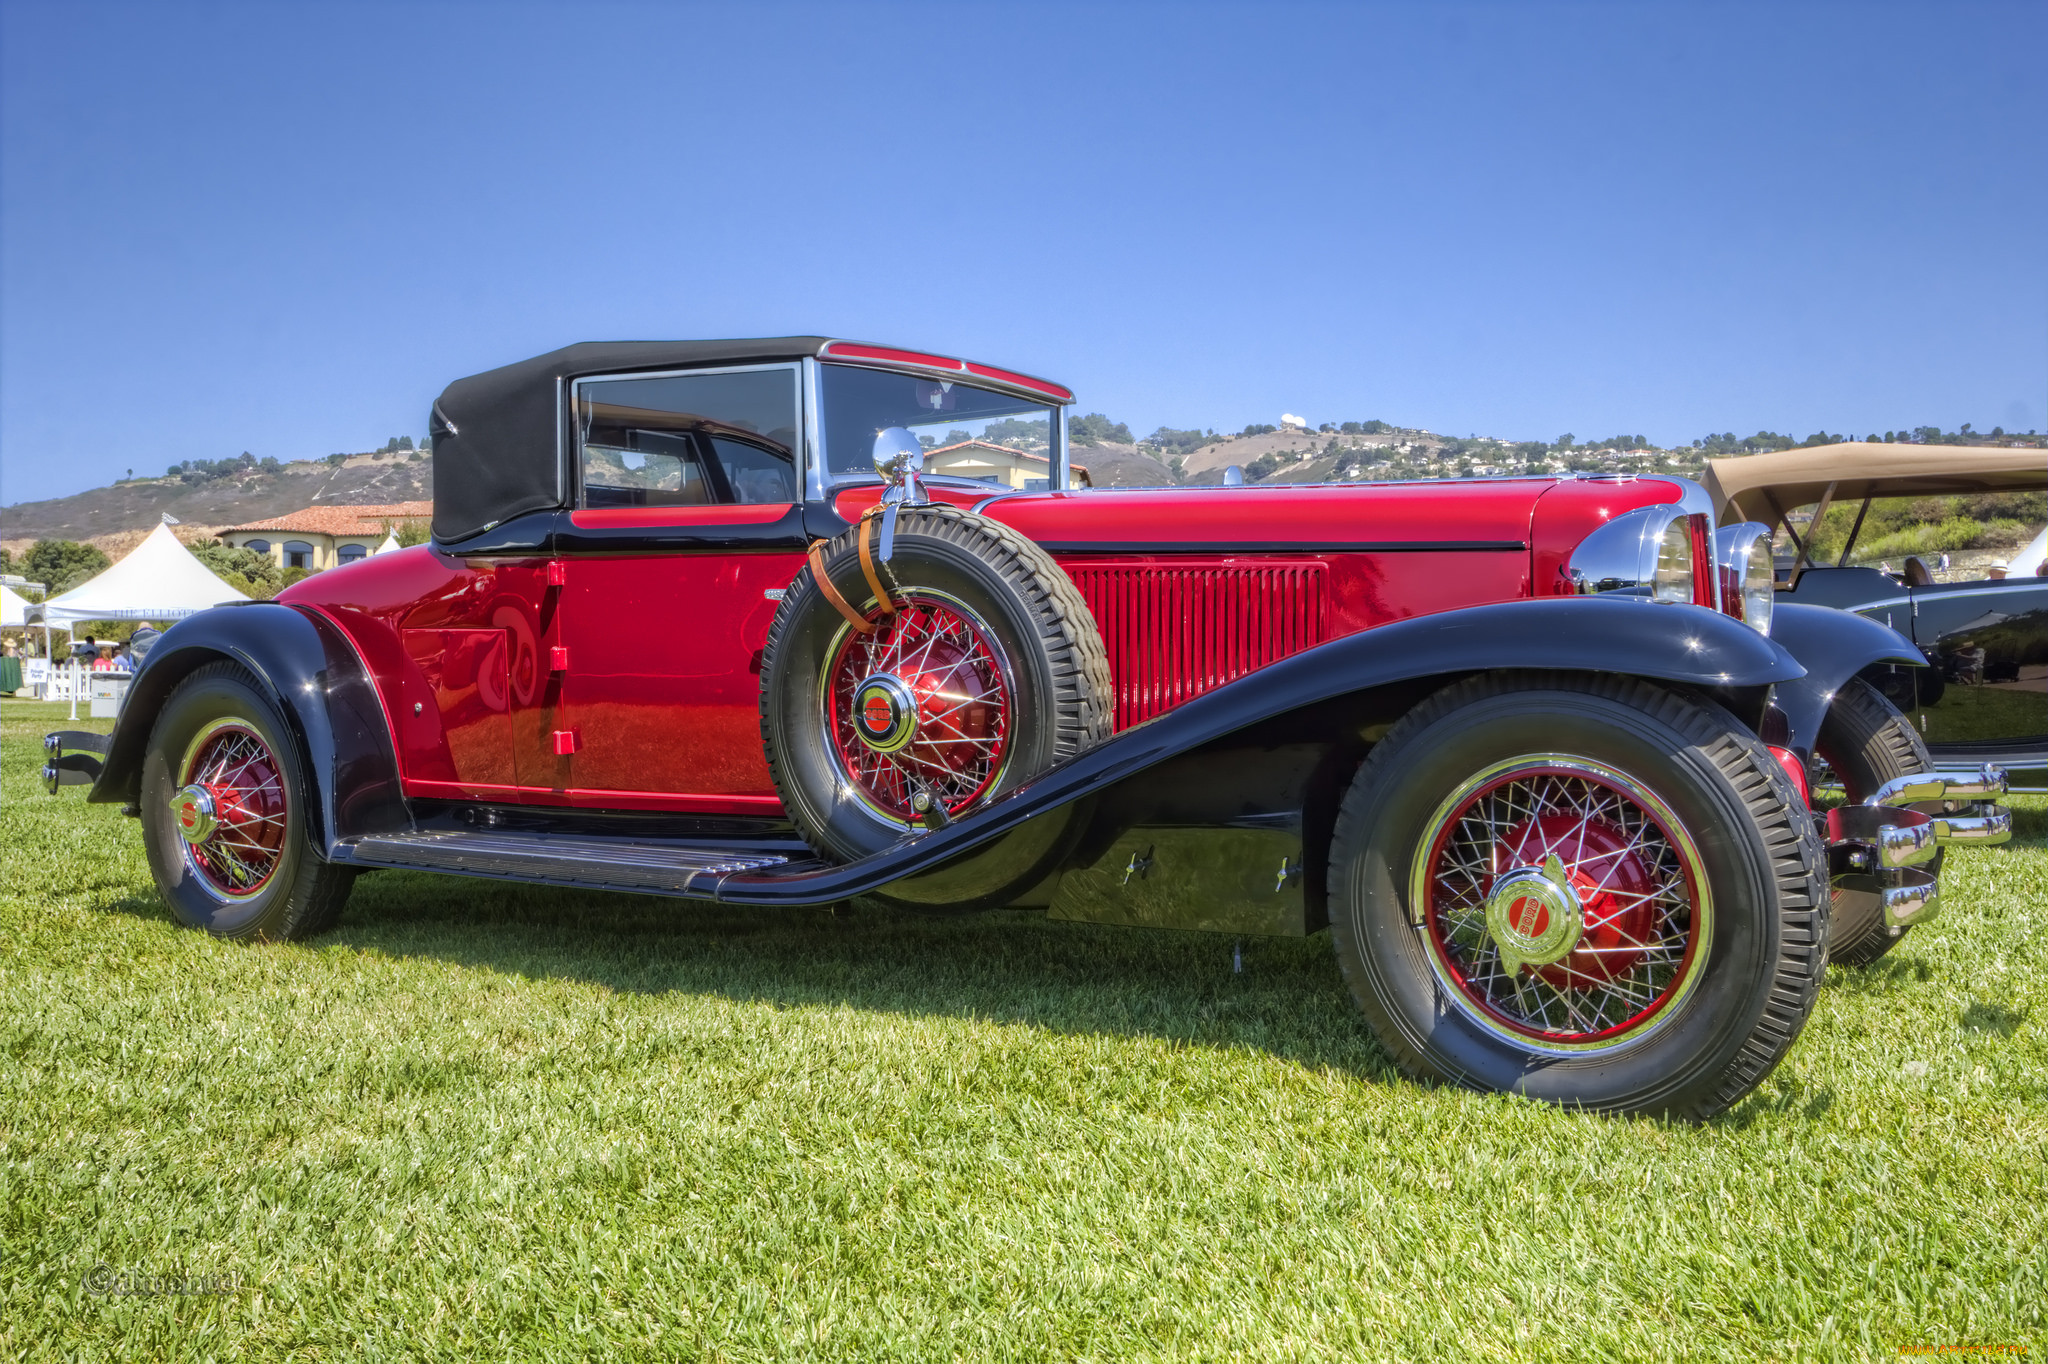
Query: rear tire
[(1693, 948), (1867, 741), (258, 875)]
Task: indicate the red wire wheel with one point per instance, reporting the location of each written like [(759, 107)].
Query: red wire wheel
[(1559, 906), (230, 809), (919, 708)]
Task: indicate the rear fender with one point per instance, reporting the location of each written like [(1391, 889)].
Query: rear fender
[(1833, 646), (318, 683)]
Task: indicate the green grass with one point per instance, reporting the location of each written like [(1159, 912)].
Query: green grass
[(492, 1122)]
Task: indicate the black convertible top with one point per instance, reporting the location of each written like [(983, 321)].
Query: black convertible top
[(498, 435)]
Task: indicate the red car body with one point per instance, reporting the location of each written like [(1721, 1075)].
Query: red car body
[(481, 663)]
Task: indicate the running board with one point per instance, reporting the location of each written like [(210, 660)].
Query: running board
[(693, 870)]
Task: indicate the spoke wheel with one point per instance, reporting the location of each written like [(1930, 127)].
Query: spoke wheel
[(1561, 907), (225, 809), (1579, 888), (231, 808), (919, 708)]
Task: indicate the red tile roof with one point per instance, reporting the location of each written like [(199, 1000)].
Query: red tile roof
[(369, 520)]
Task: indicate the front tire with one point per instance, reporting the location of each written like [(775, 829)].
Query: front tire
[(225, 815), (1867, 742), (1586, 890)]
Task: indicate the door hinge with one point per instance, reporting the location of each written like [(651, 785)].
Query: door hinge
[(558, 658), (566, 742), (558, 573)]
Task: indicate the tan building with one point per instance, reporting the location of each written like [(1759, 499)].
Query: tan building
[(995, 464), (322, 537)]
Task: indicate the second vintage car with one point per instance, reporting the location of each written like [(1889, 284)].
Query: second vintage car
[(694, 622)]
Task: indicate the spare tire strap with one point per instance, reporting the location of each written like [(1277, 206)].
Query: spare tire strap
[(839, 603), (867, 561)]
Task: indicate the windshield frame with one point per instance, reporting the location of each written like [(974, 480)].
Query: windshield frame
[(820, 482)]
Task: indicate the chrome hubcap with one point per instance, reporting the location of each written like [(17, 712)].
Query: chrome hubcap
[(1534, 916), (192, 811), (884, 713)]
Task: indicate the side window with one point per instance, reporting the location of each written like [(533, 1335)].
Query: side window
[(687, 439)]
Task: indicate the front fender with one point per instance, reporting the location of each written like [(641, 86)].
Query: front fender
[(318, 683), (1683, 645), (1833, 646)]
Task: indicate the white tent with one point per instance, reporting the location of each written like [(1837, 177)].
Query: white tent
[(13, 607), (390, 543), (157, 580), (2027, 562)]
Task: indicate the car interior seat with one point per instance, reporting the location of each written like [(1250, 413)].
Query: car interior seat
[(1918, 574)]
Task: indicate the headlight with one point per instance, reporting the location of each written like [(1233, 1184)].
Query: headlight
[(1648, 552), (1672, 579), (1742, 556)]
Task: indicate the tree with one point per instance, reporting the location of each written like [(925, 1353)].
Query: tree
[(62, 565), (1175, 442), (1096, 429), (1255, 429), (245, 570), (1564, 442), (336, 459), (270, 464)]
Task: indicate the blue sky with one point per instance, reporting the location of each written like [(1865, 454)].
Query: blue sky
[(283, 227)]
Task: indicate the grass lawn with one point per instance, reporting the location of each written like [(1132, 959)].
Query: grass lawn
[(483, 1121)]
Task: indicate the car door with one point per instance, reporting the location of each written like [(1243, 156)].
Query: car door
[(1989, 642), (688, 525)]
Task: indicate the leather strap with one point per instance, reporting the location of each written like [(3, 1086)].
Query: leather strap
[(839, 603), (867, 561)]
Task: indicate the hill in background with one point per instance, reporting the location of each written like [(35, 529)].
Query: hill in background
[(114, 518)]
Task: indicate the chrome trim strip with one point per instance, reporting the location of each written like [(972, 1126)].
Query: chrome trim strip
[(1061, 464), (814, 438), (962, 375)]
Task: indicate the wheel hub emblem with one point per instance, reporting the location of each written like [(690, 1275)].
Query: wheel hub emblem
[(192, 810), (885, 713), (1534, 916)]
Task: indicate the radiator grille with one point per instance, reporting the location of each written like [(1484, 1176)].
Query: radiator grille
[(1176, 632)]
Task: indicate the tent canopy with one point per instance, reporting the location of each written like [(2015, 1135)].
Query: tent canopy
[(13, 607), (157, 580)]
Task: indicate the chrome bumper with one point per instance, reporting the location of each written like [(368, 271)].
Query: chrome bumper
[(1877, 848)]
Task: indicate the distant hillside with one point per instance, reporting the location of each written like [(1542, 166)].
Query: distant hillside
[(137, 504)]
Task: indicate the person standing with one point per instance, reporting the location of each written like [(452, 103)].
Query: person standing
[(10, 667)]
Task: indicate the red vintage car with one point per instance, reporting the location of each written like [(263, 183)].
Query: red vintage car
[(695, 622)]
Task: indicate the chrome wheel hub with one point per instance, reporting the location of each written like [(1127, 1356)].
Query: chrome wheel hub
[(884, 713), (192, 811), (1534, 916)]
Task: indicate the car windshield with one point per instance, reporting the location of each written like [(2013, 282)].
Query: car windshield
[(967, 431), (1926, 540)]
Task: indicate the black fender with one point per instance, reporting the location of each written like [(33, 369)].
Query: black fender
[(1683, 645), (317, 681), (1833, 646)]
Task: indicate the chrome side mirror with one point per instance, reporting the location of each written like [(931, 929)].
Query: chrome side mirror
[(899, 459), (1233, 476)]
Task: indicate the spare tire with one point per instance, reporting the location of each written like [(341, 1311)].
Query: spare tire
[(989, 671)]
